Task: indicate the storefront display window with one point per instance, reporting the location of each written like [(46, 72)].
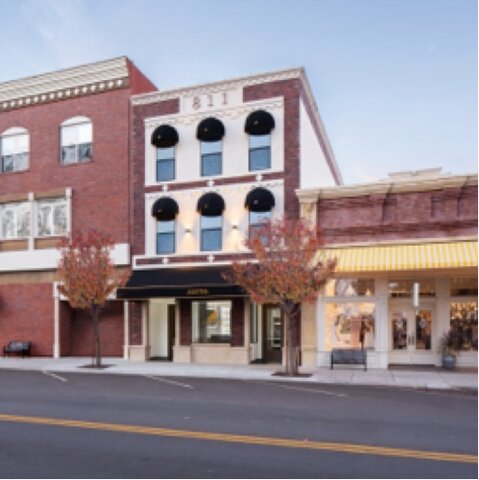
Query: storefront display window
[(464, 287), (464, 324), (350, 287), (404, 288), (212, 322), (350, 325)]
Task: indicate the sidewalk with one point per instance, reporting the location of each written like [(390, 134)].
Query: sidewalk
[(431, 379)]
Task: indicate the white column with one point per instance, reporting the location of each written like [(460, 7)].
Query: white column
[(322, 355), (31, 241), (177, 323), (382, 322), (126, 330), (247, 324), (144, 324), (56, 321), (68, 193)]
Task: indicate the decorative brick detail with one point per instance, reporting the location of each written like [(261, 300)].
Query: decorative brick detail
[(237, 323), (185, 322)]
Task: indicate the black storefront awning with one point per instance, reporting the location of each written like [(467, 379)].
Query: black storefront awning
[(210, 130), (164, 209), (197, 282), (259, 122), (164, 136), (259, 200), (210, 204)]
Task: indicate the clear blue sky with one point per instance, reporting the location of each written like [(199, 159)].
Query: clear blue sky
[(395, 80)]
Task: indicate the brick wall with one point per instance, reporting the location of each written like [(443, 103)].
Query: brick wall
[(26, 313), (440, 213)]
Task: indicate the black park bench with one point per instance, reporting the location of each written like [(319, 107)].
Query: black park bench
[(349, 356), (19, 347)]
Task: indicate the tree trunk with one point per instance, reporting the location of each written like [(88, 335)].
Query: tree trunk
[(291, 363), (96, 320)]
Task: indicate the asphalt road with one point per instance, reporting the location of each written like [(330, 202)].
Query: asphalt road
[(114, 426)]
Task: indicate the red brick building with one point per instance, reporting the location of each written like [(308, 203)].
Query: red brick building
[(64, 166)]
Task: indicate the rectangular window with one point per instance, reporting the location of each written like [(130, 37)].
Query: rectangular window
[(464, 325), (15, 221), (350, 287), (211, 233), (76, 143), (14, 151), (211, 322), (350, 325), (257, 221), (165, 237), (259, 152), (404, 288), (211, 158), (464, 287), (51, 217), (165, 164)]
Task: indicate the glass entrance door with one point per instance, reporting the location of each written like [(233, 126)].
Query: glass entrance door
[(410, 336), (273, 335)]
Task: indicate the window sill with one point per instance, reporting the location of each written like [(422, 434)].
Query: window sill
[(76, 163)]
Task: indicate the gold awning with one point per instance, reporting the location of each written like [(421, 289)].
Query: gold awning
[(382, 258)]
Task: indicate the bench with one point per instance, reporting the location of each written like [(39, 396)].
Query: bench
[(19, 347), (349, 356)]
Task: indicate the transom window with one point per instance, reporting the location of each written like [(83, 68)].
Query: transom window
[(76, 140), (211, 322), (211, 158), (14, 148)]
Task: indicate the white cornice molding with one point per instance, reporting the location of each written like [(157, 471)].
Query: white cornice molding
[(407, 241), (414, 184), (220, 86), (62, 84)]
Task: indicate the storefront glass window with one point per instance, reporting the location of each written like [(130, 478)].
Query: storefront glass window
[(404, 288), (212, 322), (350, 325), (464, 287), (350, 287), (464, 324)]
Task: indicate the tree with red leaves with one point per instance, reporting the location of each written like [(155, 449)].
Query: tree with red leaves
[(88, 277), (288, 268)]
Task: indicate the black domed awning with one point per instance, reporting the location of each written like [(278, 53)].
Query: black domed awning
[(259, 122), (211, 205), (164, 209), (164, 136), (210, 130), (259, 200)]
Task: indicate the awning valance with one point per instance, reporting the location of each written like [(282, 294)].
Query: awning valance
[(210, 205), (179, 282), (422, 256), (259, 122), (210, 130), (259, 200), (165, 208), (164, 136)]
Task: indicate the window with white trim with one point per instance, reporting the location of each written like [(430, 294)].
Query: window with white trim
[(14, 221), (51, 217), (76, 140), (14, 150)]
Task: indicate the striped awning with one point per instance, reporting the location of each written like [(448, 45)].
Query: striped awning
[(381, 258)]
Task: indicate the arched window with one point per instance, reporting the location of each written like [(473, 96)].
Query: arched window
[(76, 136), (210, 207), (259, 125), (164, 138), (14, 149), (260, 203), (210, 132), (165, 210)]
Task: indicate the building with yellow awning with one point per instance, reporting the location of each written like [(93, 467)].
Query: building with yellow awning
[(407, 257)]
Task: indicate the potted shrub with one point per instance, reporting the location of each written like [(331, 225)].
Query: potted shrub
[(449, 348)]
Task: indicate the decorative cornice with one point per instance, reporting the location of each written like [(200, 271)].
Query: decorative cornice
[(214, 87), (410, 184), (63, 84)]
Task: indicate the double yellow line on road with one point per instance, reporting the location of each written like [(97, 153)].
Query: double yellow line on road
[(246, 439)]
